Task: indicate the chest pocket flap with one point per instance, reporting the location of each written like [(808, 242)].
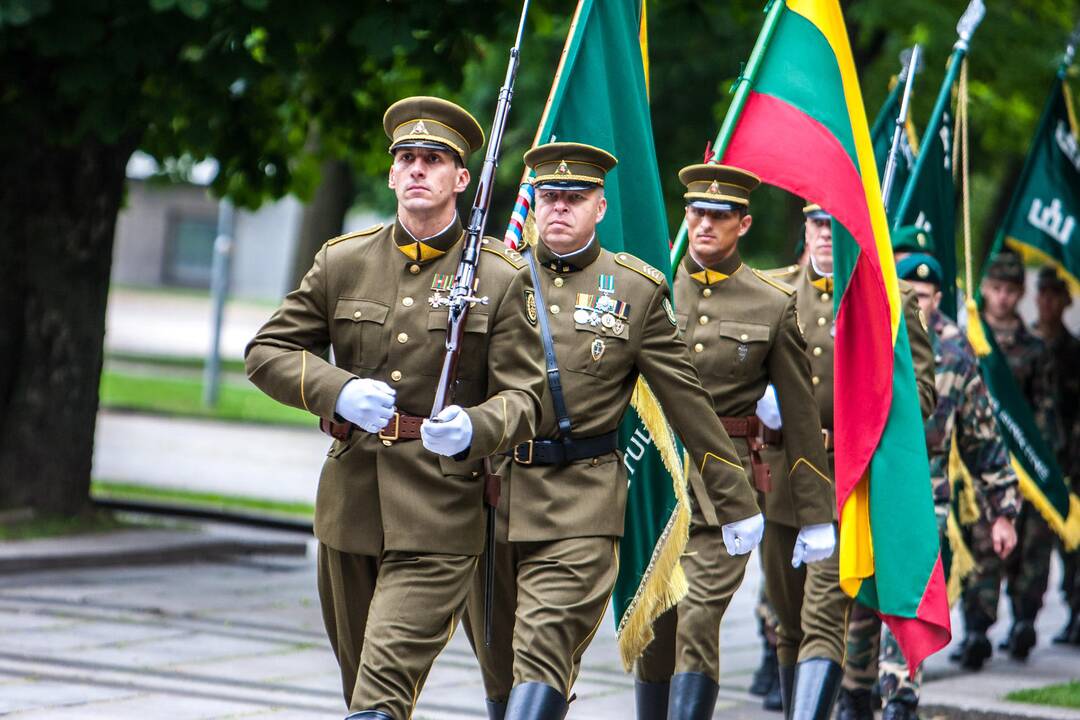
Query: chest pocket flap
[(744, 332), (361, 310), (475, 322)]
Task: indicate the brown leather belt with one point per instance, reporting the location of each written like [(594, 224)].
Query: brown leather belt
[(751, 428), (400, 427)]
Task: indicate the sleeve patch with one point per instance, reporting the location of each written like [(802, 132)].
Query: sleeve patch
[(670, 312), (530, 306)]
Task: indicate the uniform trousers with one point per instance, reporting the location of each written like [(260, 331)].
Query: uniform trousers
[(687, 637), (549, 600), (811, 608), (388, 618)]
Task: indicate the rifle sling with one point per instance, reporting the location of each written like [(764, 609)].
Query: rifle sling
[(554, 379)]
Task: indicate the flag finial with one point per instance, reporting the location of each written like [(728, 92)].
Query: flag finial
[(709, 154)]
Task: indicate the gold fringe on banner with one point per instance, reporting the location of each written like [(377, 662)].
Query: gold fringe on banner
[(963, 562), (664, 582), (1067, 528)]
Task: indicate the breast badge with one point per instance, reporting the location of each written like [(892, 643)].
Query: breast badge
[(597, 349), (742, 351)]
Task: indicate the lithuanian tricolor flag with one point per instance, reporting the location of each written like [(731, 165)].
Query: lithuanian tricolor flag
[(802, 127)]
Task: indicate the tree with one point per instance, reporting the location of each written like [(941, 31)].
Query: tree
[(89, 81)]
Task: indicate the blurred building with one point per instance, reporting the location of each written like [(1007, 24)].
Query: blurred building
[(165, 235)]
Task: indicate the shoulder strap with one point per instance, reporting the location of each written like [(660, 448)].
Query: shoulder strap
[(554, 379)]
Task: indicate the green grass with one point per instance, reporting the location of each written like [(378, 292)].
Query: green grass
[(32, 528), (106, 490), (183, 397), (1063, 695)]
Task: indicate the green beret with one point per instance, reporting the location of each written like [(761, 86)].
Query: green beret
[(920, 267), (1006, 266), (432, 122), (910, 238), (569, 165)]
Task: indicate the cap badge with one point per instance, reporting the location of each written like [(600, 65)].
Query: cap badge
[(923, 270), (922, 239), (714, 189), (420, 128), (562, 169)]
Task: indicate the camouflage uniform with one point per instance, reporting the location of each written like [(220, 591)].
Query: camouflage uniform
[(1027, 568), (963, 410)]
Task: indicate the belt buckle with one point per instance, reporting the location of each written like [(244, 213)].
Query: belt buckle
[(825, 435), (397, 430), (517, 456)]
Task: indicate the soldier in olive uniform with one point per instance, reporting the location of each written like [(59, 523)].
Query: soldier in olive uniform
[(743, 332), (561, 513), (400, 523), (1052, 300), (963, 413), (816, 627), (1026, 569)]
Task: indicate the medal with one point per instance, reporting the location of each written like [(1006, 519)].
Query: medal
[(597, 349), (441, 283), (581, 316), (607, 320), (617, 328)]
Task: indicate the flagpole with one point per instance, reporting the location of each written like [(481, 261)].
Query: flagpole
[(969, 21), (741, 90), (901, 120)]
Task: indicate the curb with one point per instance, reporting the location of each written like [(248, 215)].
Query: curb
[(997, 711)]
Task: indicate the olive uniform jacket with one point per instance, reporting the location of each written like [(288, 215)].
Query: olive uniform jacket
[(743, 332), (814, 301), (367, 297), (600, 364)]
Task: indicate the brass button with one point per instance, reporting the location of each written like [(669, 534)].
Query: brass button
[(554, 309), (824, 297), (699, 347), (396, 375), (821, 322), (703, 319), (744, 337), (485, 241), (403, 338), (816, 380), (707, 292), (414, 269), (558, 282), (595, 462), (817, 352), (407, 301), (387, 443), (357, 314)]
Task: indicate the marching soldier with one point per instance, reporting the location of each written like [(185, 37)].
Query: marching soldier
[(1052, 300), (400, 523), (963, 412), (743, 331), (1026, 569), (606, 318), (812, 608)]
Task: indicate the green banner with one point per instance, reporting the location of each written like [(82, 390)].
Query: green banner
[(600, 97), (1042, 219)]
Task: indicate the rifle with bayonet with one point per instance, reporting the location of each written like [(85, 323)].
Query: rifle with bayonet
[(463, 295)]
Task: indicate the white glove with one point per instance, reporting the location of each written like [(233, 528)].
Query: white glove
[(768, 409), (448, 433), (814, 543), (366, 403), (742, 536)]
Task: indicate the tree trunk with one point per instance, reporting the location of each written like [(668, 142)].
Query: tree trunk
[(324, 216), (58, 208)]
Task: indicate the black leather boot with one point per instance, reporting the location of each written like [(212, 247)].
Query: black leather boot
[(651, 699), (535, 701), (900, 709), (787, 684), (974, 651), (1022, 639), (496, 709), (766, 676), (368, 715), (854, 705), (817, 681), (692, 696), (1063, 637), (774, 701)]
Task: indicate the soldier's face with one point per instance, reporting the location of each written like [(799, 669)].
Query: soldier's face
[(426, 181), (928, 295), (566, 219), (1000, 297), (819, 243), (714, 233), (1051, 304)]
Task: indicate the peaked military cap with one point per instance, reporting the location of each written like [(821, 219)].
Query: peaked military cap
[(569, 166), (1007, 267), (910, 238), (813, 211), (431, 122), (921, 268), (717, 187), (1050, 279)]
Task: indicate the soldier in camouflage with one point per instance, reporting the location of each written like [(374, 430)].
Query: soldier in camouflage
[(1026, 570), (963, 411), (1051, 300)]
